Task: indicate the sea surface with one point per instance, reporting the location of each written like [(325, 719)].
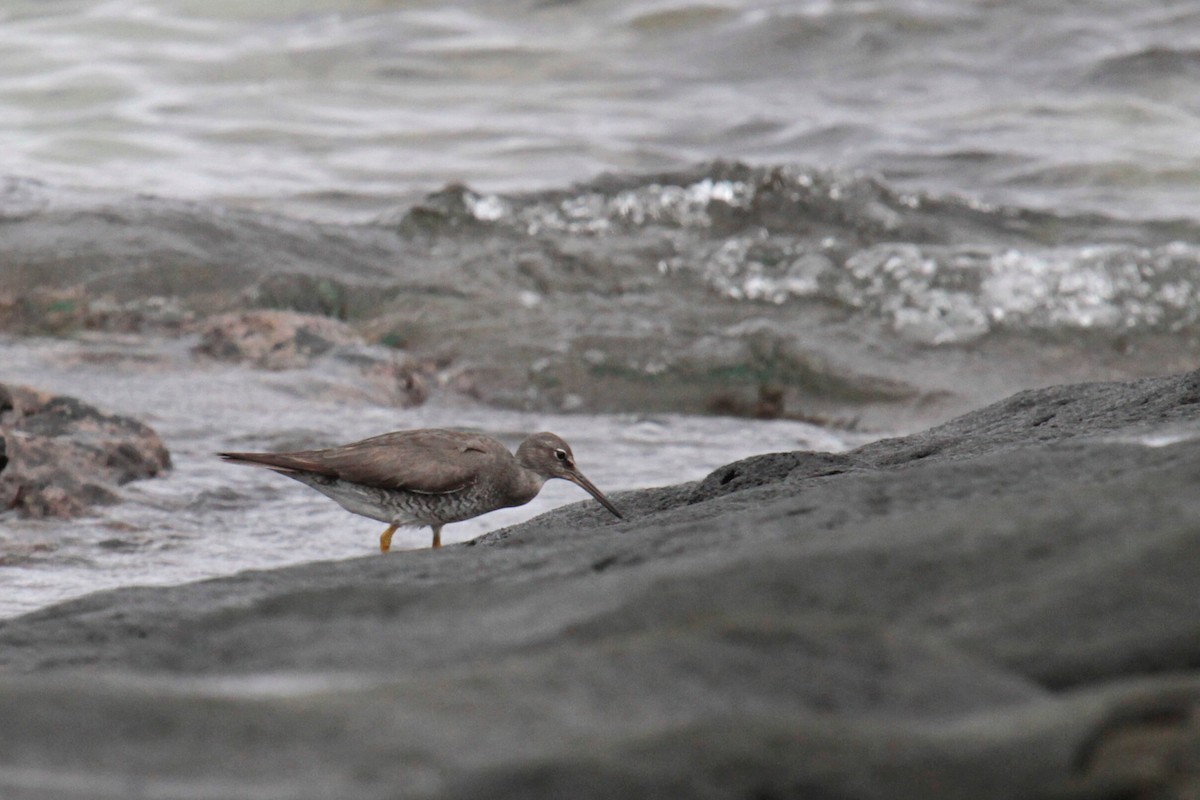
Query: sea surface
[(343, 110), (639, 224)]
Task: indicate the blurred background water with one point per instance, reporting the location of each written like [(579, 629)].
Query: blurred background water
[(640, 224), (342, 110)]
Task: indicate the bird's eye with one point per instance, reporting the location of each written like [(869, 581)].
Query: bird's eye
[(561, 455)]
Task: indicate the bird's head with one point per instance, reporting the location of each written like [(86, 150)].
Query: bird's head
[(550, 457)]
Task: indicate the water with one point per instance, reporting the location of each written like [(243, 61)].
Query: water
[(937, 203), (342, 110)]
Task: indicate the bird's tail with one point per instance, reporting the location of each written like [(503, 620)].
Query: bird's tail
[(280, 462)]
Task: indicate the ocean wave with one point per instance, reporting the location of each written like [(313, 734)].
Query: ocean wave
[(938, 270)]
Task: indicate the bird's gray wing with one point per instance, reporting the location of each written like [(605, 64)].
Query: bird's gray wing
[(427, 461)]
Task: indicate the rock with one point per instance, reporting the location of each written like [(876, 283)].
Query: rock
[(57, 311), (273, 339), (60, 455), (288, 339), (405, 381), (1002, 607)]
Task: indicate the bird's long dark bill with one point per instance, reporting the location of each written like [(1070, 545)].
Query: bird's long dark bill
[(591, 489)]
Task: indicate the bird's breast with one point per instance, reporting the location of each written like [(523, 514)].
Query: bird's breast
[(523, 487)]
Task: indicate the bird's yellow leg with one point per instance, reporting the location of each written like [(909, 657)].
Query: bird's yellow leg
[(437, 535), (385, 539)]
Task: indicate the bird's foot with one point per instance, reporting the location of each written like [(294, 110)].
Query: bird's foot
[(385, 539)]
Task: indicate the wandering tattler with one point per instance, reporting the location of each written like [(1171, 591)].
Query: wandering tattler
[(428, 477)]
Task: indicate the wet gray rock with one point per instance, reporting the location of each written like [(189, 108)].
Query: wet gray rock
[(1004, 606), (59, 455)]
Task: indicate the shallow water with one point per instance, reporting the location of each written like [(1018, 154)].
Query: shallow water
[(209, 518)]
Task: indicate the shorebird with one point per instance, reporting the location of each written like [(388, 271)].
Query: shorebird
[(428, 477)]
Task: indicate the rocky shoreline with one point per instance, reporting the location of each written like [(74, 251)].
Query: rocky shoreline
[(1003, 606), (779, 292)]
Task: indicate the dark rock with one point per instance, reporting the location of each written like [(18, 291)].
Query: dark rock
[(60, 455), (1005, 606), (772, 469)]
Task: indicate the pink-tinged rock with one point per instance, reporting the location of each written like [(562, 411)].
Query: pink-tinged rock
[(59, 455), (404, 382), (273, 339), (291, 340)]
